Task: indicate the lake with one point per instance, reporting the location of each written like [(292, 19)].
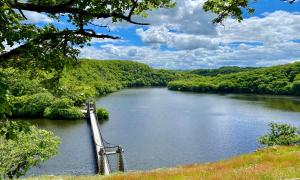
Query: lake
[(161, 128)]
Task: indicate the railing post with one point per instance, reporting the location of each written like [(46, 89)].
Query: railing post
[(120, 159), (101, 165), (88, 109), (95, 108)]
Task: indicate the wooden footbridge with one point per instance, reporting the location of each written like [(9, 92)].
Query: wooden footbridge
[(103, 149)]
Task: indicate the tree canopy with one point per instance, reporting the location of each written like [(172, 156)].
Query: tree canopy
[(23, 146), (276, 80), (231, 8), (51, 46)]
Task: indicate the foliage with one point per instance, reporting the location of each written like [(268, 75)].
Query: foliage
[(63, 109), (281, 134), (4, 108), (278, 80), (96, 78), (30, 105), (231, 8), (29, 92), (9, 130), (23, 146), (221, 70), (48, 46), (296, 87), (102, 114)]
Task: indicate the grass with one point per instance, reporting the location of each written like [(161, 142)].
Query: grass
[(269, 163)]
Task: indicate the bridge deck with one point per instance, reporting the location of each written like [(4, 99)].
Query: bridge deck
[(98, 142)]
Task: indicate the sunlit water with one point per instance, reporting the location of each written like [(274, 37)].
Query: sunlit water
[(161, 128)]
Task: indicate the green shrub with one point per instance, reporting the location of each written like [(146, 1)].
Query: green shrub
[(102, 114), (63, 109), (296, 87), (281, 134), (30, 105)]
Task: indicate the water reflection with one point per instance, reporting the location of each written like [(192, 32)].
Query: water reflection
[(284, 103)]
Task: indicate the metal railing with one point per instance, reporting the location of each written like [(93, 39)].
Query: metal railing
[(107, 149)]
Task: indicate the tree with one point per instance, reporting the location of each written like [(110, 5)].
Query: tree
[(23, 146), (232, 8), (281, 134), (3, 99), (49, 46)]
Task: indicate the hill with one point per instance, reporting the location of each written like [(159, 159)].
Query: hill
[(30, 92), (276, 80), (221, 70)]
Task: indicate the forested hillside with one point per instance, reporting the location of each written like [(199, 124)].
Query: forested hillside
[(221, 70), (278, 80), (57, 95)]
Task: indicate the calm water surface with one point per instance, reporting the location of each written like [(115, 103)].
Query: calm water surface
[(76, 151), (161, 128)]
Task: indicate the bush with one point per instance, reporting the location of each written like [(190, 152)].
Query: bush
[(30, 105), (296, 88), (281, 134), (102, 114), (63, 109)]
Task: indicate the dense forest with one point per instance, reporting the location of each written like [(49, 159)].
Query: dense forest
[(277, 80), (221, 70), (59, 95)]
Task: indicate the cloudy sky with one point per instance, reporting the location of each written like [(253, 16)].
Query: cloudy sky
[(185, 38)]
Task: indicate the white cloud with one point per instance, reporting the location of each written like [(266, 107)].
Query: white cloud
[(34, 17), (187, 17), (194, 42), (161, 35), (276, 27), (199, 58)]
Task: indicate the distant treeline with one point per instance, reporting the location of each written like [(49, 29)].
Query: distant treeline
[(58, 95), (221, 70), (277, 80)]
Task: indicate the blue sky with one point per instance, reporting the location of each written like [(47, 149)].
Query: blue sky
[(185, 38)]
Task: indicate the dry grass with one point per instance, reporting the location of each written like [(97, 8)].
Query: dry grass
[(271, 163)]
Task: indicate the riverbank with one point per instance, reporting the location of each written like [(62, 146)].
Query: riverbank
[(269, 163)]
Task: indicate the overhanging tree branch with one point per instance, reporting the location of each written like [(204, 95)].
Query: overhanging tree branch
[(48, 36), (67, 8)]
